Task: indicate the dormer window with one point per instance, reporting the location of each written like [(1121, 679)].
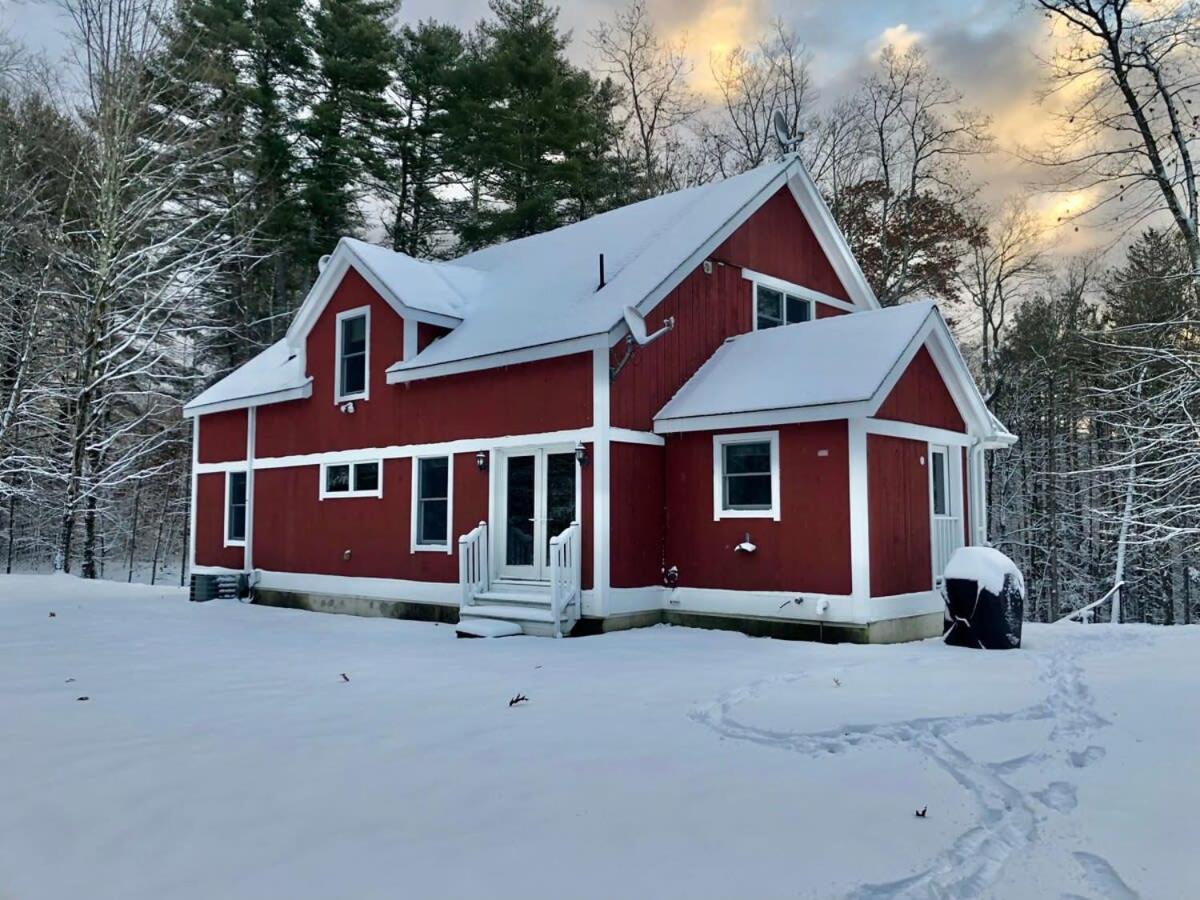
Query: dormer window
[(773, 308), (352, 356)]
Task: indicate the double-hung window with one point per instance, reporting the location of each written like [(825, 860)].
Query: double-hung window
[(746, 475), (353, 339), (235, 509), (432, 495), (358, 479), (773, 308)]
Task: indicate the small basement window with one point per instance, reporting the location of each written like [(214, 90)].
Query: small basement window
[(235, 509), (353, 337), (360, 479), (746, 475), (773, 308), (432, 490)]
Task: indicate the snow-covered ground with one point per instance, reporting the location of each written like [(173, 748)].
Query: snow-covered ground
[(220, 753)]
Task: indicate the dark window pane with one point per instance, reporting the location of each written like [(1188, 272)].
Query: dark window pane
[(798, 310), (354, 374), (518, 534), (354, 335), (433, 478), (748, 492), (337, 479), (431, 524), (366, 476), (939, 484), (741, 459), (560, 494), (237, 487), (770, 308)]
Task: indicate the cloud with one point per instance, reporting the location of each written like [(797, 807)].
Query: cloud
[(899, 36)]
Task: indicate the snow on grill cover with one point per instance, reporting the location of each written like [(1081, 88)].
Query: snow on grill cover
[(985, 600)]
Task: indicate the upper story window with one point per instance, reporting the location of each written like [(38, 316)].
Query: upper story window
[(353, 341), (746, 475), (360, 479), (775, 307)]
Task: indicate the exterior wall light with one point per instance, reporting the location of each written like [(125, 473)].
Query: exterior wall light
[(481, 460), (581, 456)]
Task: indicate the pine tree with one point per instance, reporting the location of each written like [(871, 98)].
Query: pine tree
[(530, 129), (355, 53)]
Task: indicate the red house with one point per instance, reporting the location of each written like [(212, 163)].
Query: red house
[(689, 410)]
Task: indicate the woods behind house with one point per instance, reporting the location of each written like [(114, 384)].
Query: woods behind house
[(165, 198)]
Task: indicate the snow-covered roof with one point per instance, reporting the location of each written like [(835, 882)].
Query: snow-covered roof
[(274, 375), (832, 361), (435, 287)]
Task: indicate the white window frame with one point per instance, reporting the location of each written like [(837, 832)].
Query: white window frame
[(448, 546), (338, 397), (785, 293), (229, 542), (325, 494), (746, 437)]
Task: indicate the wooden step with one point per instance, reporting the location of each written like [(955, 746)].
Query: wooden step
[(511, 613), (497, 597)]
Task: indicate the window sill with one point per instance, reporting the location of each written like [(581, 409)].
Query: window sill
[(746, 514), (430, 548), (229, 543), (349, 398), (352, 495)]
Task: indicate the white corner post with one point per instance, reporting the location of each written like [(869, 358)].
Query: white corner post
[(601, 468), (248, 551), (860, 536), (195, 478)]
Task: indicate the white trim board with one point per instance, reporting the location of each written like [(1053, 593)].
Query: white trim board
[(249, 402), (398, 375), (797, 290), (926, 433)]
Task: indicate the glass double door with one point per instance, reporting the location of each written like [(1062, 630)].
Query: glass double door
[(538, 499)]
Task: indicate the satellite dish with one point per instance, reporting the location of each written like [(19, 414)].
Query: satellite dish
[(637, 327), (783, 133)]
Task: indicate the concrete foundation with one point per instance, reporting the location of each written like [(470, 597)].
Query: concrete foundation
[(890, 631)]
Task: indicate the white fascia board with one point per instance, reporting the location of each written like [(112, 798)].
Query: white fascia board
[(755, 418), (831, 239), (798, 290), (925, 433), (398, 373), (342, 258), (303, 392)]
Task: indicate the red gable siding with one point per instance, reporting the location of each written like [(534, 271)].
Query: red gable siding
[(921, 397), (776, 240), (210, 524), (222, 436), (807, 550), (899, 529), (548, 395)]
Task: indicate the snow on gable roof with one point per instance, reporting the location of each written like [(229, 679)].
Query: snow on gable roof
[(833, 361), (436, 287), (543, 289), (275, 375)]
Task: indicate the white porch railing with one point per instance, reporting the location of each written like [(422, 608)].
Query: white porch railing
[(565, 574), (947, 537), (474, 567)]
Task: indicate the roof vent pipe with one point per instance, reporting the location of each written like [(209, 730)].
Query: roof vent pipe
[(601, 271)]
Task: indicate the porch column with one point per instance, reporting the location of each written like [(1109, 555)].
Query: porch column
[(601, 500)]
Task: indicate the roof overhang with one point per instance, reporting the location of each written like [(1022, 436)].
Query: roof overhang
[(403, 373), (300, 392)]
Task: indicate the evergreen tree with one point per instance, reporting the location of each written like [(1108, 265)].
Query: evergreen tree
[(530, 129), (355, 57), (429, 59)]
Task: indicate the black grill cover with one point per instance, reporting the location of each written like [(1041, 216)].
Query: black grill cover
[(975, 617)]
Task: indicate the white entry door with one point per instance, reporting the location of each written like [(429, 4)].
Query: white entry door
[(945, 493), (537, 502)]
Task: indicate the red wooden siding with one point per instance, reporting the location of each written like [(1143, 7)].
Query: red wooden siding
[(921, 397), (825, 311), (427, 334), (210, 524), (547, 395), (899, 528), (638, 515), (707, 310), (807, 550), (222, 436), (777, 240)]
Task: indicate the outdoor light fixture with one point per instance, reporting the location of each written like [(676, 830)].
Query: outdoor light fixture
[(481, 460), (581, 456)]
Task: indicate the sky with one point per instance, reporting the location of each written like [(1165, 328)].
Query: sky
[(988, 49)]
